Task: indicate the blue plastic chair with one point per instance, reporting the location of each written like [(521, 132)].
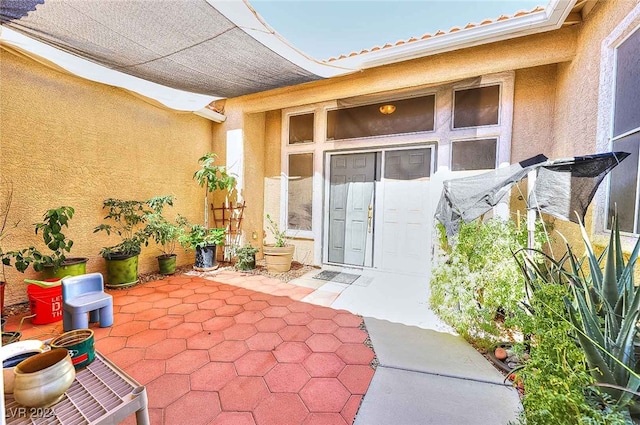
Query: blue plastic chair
[(85, 294)]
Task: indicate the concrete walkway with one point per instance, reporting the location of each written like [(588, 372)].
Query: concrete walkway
[(428, 377)]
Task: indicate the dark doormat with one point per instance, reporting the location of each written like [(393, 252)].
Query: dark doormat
[(337, 277)]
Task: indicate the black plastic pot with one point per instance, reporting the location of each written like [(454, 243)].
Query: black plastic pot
[(205, 258)]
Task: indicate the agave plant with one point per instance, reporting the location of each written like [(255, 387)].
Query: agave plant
[(604, 307)]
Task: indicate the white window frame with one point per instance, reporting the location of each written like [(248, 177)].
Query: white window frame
[(604, 138), (476, 86), (456, 141)]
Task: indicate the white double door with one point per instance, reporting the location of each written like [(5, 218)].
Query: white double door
[(379, 210)]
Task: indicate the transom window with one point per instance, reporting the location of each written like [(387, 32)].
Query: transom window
[(625, 137), (479, 154), (301, 128), (380, 119), (476, 107)]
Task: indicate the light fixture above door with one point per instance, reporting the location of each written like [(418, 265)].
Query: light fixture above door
[(387, 109)]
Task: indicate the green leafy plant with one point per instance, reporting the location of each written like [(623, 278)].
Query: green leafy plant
[(246, 257), (127, 220), (601, 309), (213, 177), (198, 236), (51, 230), (280, 236), (476, 285), (164, 232)]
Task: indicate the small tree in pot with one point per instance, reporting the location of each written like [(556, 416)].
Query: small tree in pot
[(205, 243), (166, 234), (127, 219), (213, 177), (278, 255)]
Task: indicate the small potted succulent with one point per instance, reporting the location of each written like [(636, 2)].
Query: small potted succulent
[(205, 243), (246, 257), (278, 255)]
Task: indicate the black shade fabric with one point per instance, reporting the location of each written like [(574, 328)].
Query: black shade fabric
[(564, 188), (184, 44)]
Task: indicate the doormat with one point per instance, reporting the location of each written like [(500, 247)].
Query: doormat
[(337, 277)]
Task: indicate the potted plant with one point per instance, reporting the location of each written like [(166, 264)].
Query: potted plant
[(166, 234), (204, 242), (56, 264), (127, 219), (213, 177), (246, 257), (278, 255)]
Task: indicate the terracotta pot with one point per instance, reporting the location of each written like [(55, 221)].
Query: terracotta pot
[(42, 380), (278, 259)]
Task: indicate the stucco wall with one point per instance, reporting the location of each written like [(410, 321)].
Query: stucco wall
[(68, 141)]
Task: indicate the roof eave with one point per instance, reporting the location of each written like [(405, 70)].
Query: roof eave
[(550, 19)]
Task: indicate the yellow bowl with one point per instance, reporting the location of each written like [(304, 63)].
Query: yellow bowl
[(42, 380)]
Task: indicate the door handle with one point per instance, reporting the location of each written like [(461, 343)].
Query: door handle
[(370, 218)]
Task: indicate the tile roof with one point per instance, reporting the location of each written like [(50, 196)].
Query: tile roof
[(438, 33)]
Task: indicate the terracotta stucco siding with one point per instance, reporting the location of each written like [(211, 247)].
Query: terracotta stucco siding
[(68, 141)]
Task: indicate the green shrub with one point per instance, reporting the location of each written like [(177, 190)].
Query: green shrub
[(476, 282)]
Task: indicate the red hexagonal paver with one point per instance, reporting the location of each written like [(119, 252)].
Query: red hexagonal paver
[(195, 298), (187, 361), (124, 300), (165, 322), (351, 408), (292, 352), (249, 317), (300, 307), (221, 295), (279, 301), (324, 419), (181, 309), (204, 340), (347, 320), (323, 343), (322, 326), (275, 311), (228, 351), (210, 304), (146, 371), (234, 418), (260, 296), (218, 323), (229, 310), (156, 296), (355, 354), (323, 365), (286, 378), (295, 333), (213, 376), (270, 324), (146, 338), (297, 318), (199, 316), (239, 331), (166, 303), (181, 293), (324, 395), (110, 344), (255, 305), (126, 357), (243, 291), (206, 290), (150, 314), (136, 307), (351, 335), (166, 389), (255, 363), (200, 407), (356, 378), (264, 341), (323, 313), (165, 349), (129, 328), (238, 300), (166, 288), (184, 330), (281, 409), (243, 393)]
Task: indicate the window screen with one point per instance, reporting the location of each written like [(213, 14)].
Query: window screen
[(473, 154), (407, 164), (300, 191), (476, 107), (623, 186), (301, 129), (404, 116)]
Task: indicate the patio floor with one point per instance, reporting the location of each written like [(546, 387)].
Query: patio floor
[(242, 352)]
